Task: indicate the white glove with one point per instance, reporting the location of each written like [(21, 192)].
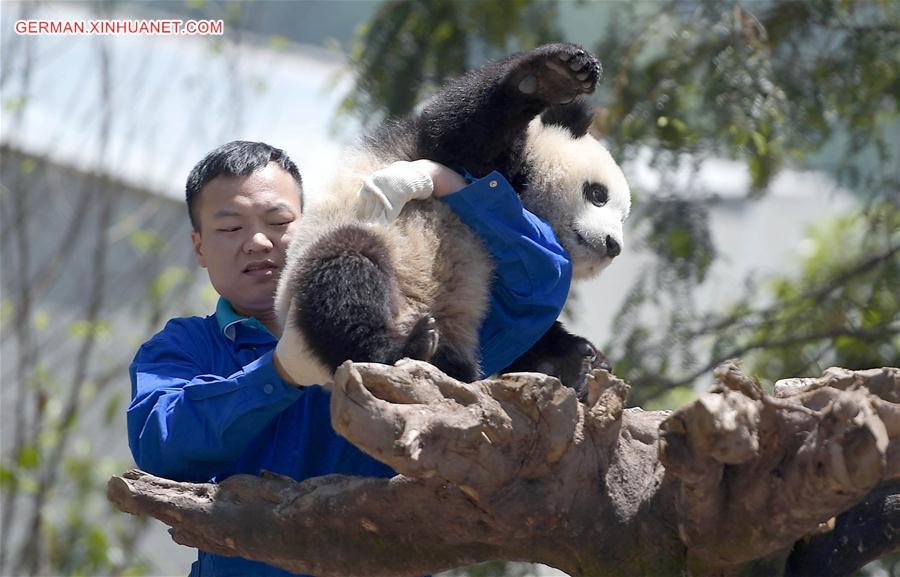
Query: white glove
[(384, 193)]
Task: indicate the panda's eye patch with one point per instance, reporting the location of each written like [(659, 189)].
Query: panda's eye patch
[(596, 193)]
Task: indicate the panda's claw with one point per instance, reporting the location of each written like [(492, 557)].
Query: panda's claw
[(586, 349), (422, 342)]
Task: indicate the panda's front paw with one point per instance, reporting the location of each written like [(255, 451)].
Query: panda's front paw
[(556, 73), (568, 357), (574, 368), (422, 341)]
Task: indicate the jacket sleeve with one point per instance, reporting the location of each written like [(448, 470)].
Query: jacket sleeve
[(532, 269), (188, 425)]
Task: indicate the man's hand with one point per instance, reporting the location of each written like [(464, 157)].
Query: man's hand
[(384, 193)]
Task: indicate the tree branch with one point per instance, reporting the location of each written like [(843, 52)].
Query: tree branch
[(516, 468), (735, 352), (745, 320), (759, 472)]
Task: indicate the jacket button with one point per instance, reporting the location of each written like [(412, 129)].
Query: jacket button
[(493, 184), (268, 389)]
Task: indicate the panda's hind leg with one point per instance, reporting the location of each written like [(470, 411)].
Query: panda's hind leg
[(346, 300)]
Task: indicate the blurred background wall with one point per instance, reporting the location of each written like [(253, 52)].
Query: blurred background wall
[(760, 138)]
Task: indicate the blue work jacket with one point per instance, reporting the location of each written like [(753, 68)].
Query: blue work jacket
[(208, 403)]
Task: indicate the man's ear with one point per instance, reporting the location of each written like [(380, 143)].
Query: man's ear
[(198, 248)]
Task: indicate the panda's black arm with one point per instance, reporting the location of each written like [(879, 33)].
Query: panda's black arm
[(568, 357), (478, 121)]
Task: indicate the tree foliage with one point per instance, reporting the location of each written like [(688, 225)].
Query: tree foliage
[(410, 48), (772, 85), (76, 244)]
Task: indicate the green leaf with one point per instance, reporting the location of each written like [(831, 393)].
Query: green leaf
[(762, 146), (679, 125), (50, 435), (41, 320), (14, 103), (215, 45), (44, 383), (97, 548), (278, 42), (28, 484), (680, 242), (146, 241), (168, 280), (233, 12), (28, 457), (209, 295), (111, 410), (82, 329), (88, 391), (7, 310), (8, 478), (28, 166), (444, 31), (672, 399)]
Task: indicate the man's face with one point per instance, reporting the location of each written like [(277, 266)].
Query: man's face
[(246, 224)]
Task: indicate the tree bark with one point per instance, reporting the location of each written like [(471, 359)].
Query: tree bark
[(516, 468)]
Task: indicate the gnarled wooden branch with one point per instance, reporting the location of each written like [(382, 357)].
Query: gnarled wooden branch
[(516, 468)]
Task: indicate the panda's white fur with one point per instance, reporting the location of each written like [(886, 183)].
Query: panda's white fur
[(441, 267), (558, 166)]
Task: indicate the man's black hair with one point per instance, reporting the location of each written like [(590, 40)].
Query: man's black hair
[(237, 158)]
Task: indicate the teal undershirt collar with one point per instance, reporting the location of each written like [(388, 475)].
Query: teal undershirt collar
[(228, 319)]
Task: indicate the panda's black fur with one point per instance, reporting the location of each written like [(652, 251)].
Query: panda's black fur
[(356, 291)]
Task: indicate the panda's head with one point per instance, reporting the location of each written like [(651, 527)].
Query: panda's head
[(576, 186)]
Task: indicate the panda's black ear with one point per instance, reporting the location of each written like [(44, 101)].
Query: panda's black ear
[(576, 116)]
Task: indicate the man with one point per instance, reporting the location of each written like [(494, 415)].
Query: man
[(210, 396)]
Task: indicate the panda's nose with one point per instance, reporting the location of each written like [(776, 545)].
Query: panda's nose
[(612, 247)]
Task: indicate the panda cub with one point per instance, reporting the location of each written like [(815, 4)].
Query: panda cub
[(420, 287)]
